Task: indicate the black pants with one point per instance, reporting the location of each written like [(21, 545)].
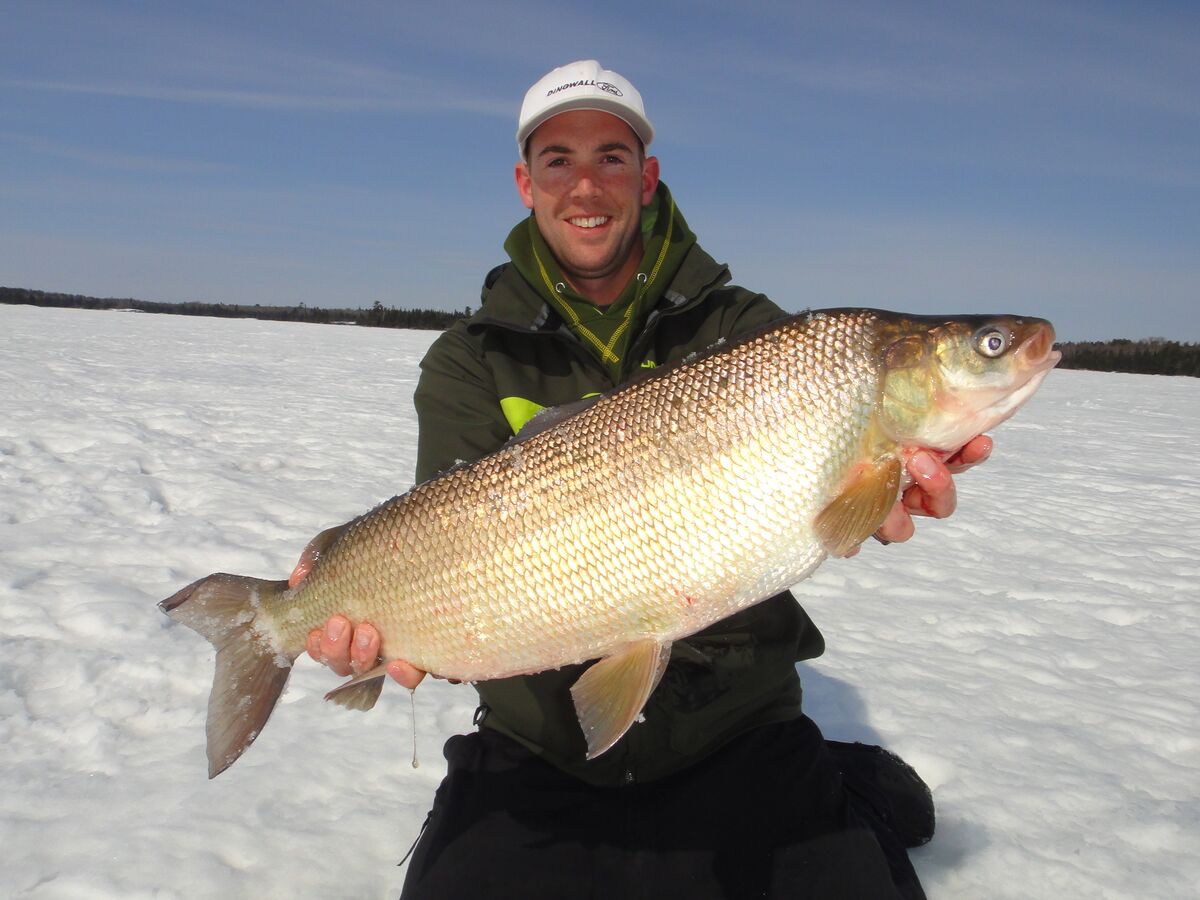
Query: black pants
[(765, 816)]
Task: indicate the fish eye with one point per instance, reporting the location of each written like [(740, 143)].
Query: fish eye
[(991, 342)]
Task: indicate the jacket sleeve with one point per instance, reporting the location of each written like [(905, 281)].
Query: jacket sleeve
[(458, 413)]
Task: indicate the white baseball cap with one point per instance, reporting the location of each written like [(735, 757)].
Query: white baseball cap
[(582, 85)]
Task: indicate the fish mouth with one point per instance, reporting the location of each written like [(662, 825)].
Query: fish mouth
[(1036, 353)]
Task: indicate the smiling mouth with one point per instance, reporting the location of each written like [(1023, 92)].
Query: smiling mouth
[(588, 221)]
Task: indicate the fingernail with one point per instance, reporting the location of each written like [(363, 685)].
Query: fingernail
[(924, 465), (334, 629), (362, 639)]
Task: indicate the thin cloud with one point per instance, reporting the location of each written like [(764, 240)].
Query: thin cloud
[(270, 100), (117, 161)]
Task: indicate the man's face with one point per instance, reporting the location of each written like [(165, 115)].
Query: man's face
[(586, 182)]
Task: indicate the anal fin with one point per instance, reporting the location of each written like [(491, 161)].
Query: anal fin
[(361, 691), (610, 695)]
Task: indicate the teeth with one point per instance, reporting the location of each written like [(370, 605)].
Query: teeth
[(588, 221)]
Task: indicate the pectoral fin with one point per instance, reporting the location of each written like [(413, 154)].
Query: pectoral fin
[(361, 691), (858, 511), (610, 695)]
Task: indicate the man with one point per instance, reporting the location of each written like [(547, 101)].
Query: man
[(724, 789)]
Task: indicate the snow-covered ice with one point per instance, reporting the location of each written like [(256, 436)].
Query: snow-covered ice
[(1035, 656)]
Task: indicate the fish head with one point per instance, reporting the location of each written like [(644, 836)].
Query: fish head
[(947, 379)]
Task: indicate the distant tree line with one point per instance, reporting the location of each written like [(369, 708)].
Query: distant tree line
[(1152, 356), (377, 316)]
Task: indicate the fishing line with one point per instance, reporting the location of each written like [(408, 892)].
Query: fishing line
[(412, 699)]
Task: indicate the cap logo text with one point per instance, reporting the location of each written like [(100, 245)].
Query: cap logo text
[(602, 85)]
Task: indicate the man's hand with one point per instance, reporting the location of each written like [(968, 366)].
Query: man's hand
[(346, 649), (932, 492)]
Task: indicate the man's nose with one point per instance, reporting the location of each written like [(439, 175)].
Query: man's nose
[(586, 184)]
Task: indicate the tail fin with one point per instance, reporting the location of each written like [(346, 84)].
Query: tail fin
[(251, 672)]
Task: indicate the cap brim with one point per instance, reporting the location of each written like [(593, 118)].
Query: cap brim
[(640, 125)]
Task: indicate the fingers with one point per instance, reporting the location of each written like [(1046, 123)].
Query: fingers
[(350, 650), (932, 492), (364, 650), (303, 567), (344, 648), (897, 527), (330, 645), (975, 451), (409, 676)]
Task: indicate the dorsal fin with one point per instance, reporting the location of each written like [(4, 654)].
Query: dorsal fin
[(318, 545)]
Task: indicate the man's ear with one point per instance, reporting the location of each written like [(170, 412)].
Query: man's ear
[(524, 184), (649, 179)]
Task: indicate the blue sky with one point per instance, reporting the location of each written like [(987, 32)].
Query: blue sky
[(1040, 157)]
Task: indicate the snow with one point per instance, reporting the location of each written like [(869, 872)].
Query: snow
[(1035, 656)]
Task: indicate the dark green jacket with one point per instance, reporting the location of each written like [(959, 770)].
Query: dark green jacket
[(481, 380)]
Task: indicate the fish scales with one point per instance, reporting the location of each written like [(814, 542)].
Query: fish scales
[(545, 554), (607, 534)]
